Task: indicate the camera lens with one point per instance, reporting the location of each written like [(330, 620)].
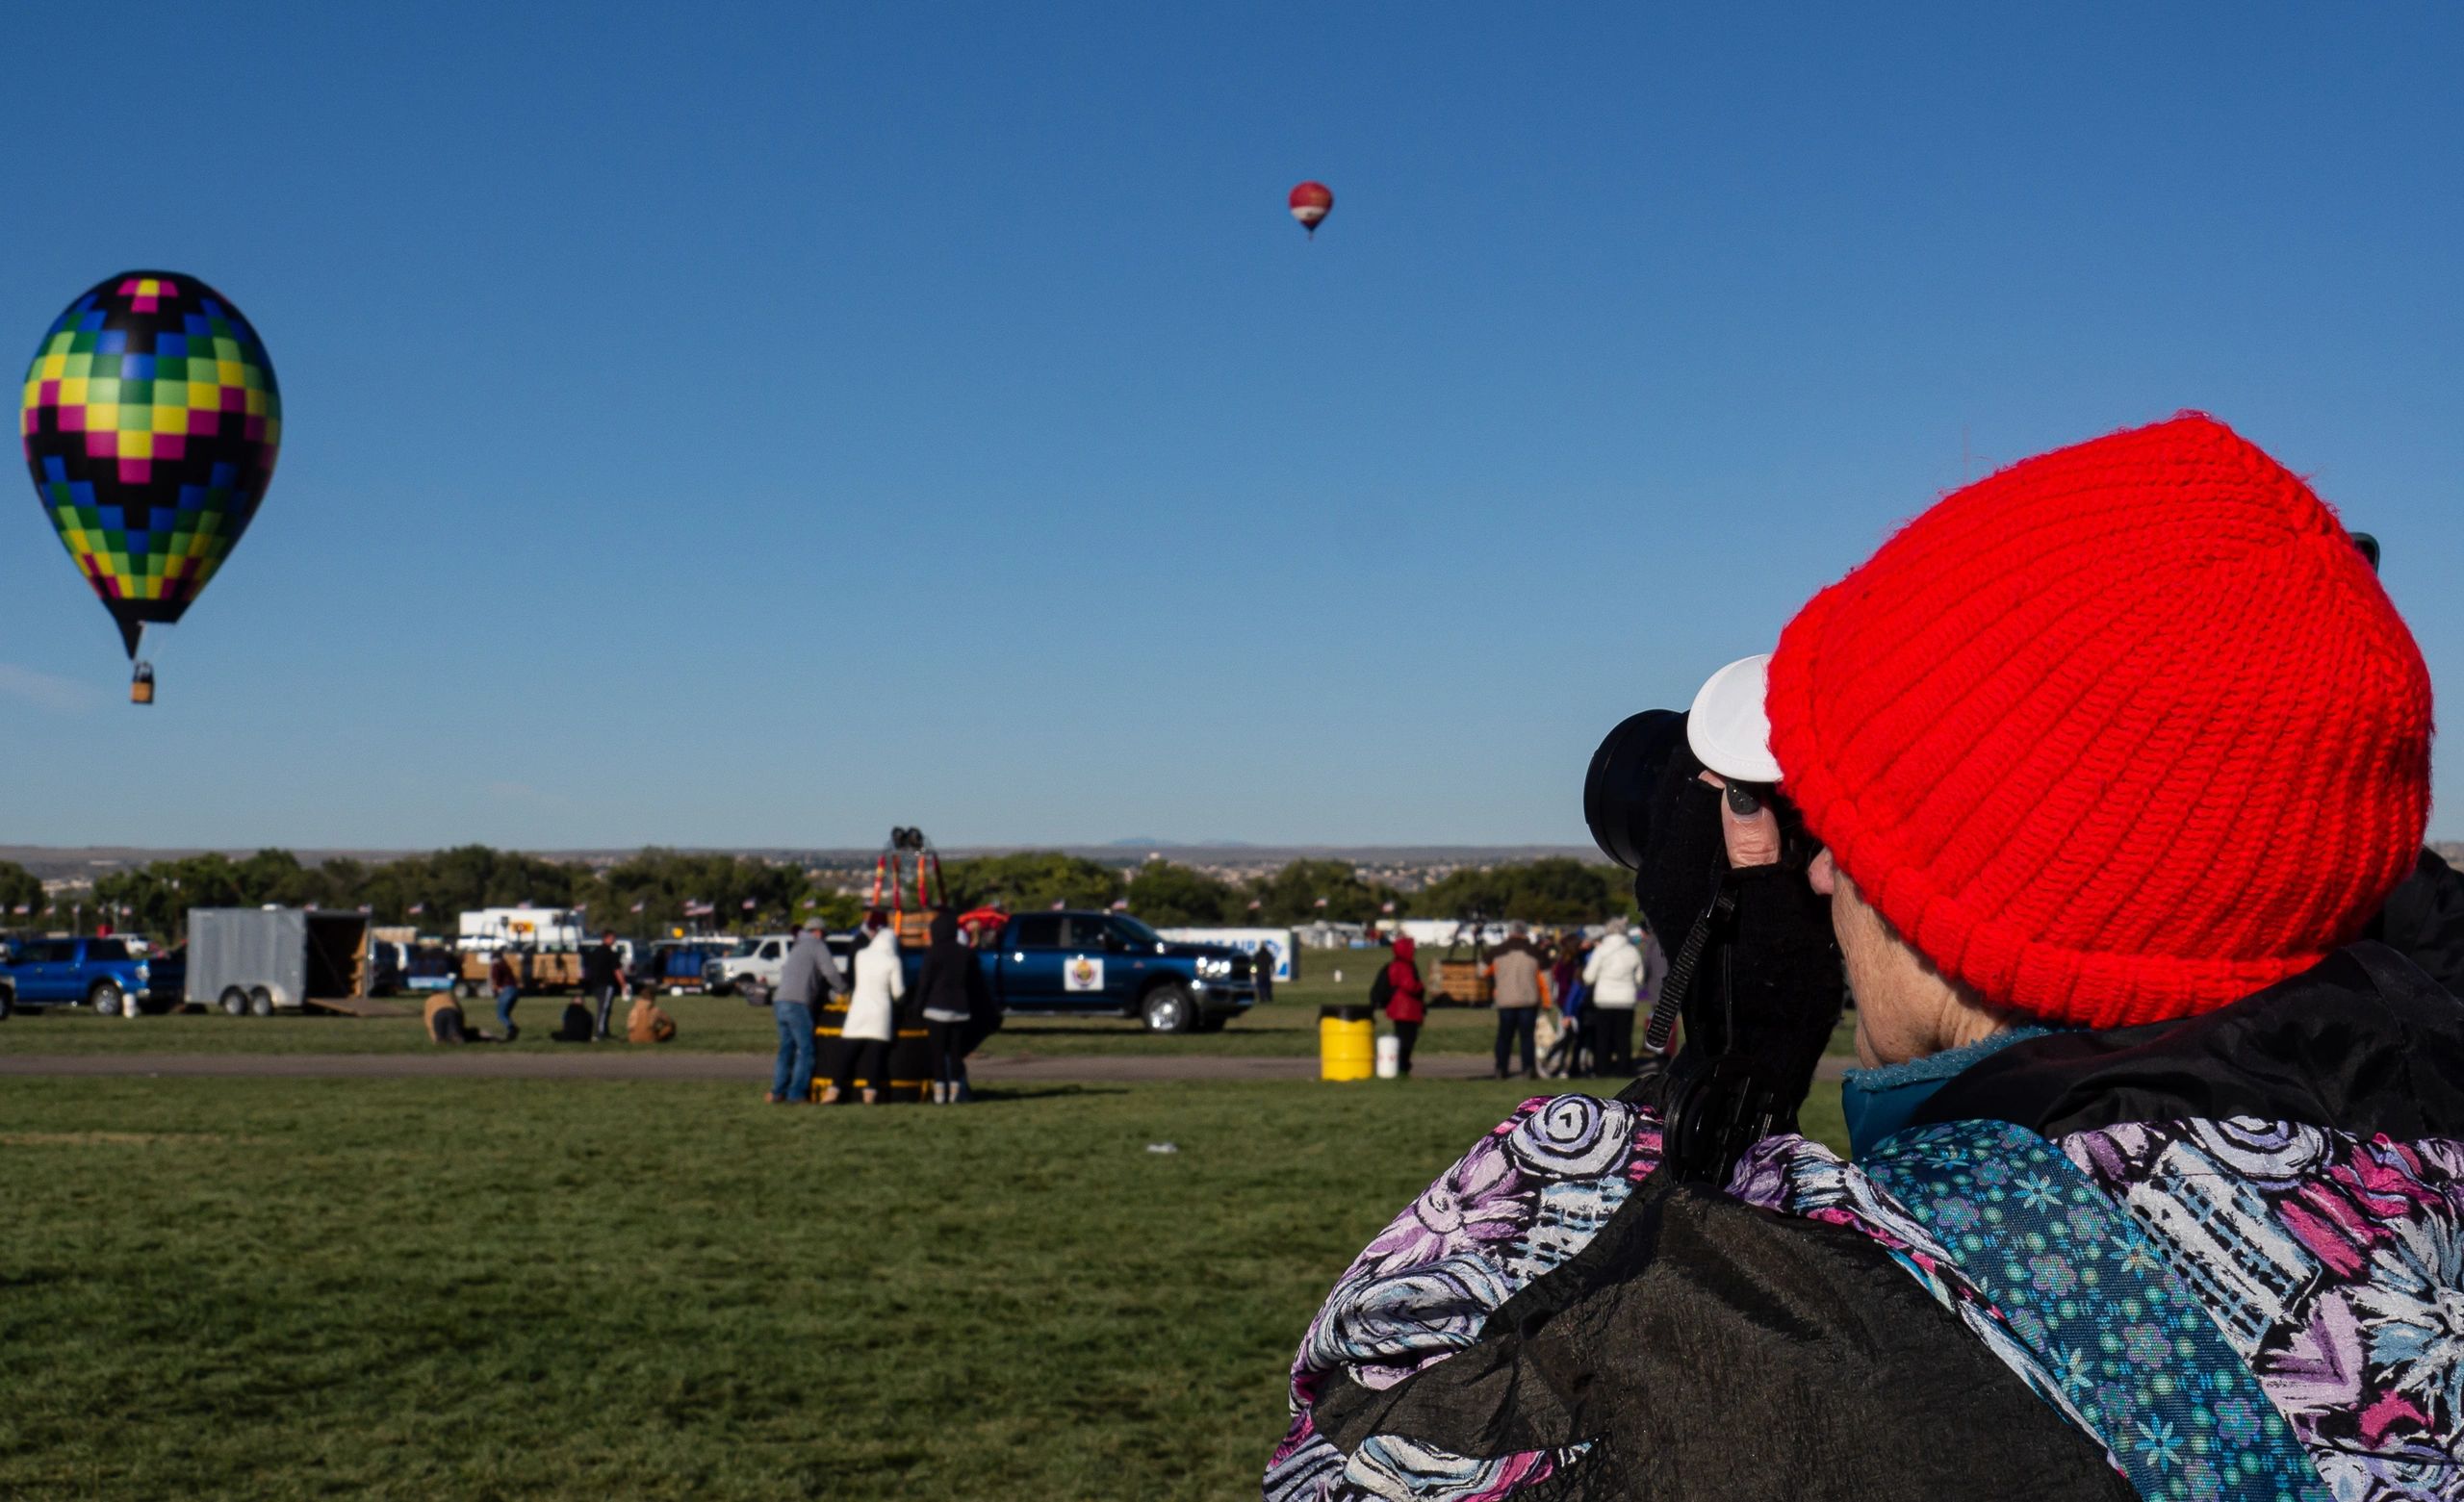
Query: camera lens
[(1626, 772)]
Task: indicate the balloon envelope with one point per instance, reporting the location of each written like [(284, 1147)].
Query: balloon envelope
[(1310, 202), (151, 422)]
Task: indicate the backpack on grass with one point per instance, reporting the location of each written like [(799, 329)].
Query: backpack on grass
[(576, 1025)]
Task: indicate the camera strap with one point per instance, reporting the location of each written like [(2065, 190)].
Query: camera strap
[(1679, 981)]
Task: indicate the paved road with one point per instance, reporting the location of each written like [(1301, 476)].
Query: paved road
[(485, 1063)]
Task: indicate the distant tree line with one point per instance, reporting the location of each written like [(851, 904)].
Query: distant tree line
[(1555, 890), (646, 892), (656, 889)]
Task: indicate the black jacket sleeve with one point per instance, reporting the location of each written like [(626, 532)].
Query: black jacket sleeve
[(1712, 1350), (2424, 921)]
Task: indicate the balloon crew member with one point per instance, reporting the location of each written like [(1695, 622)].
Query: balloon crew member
[(872, 1016), (987, 1015), (951, 988), (507, 983), (808, 977), (443, 1015), (648, 1022), (603, 976)]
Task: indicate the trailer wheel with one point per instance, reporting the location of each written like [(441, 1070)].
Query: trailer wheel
[(233, 1000), (260, 1002)]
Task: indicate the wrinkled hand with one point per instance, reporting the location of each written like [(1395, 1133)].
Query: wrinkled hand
[(1753, 839)]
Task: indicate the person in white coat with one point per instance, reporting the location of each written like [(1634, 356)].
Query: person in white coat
[(872, 1019), (1621, 974)]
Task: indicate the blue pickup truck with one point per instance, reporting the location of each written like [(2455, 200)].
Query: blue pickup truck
[(1102, 965), (1111, 963), (97, 973)]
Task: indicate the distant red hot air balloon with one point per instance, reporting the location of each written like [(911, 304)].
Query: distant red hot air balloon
[(1310, 202)]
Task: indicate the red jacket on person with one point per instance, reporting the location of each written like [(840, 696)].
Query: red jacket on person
[(1407, 1002)]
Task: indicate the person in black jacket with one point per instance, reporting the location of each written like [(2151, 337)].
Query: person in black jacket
[(2423, 920), (602, 978), (954, 997), (2155, 1185)]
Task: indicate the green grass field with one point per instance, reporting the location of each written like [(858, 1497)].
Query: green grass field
[(485, 1289)]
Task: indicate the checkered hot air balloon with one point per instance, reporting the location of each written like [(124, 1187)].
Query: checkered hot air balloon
[(151, 421)]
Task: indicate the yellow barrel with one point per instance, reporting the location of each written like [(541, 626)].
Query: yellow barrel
[(1347, 1043)]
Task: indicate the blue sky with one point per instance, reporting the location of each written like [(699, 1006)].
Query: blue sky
[(768, 424)]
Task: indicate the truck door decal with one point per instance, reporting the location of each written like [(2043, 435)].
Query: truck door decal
[(1083, 973)]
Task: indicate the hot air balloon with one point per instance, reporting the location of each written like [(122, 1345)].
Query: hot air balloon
[(1310, 202), (151, 422)]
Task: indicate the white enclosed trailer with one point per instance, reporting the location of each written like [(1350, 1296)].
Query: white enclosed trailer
[(258, 960)]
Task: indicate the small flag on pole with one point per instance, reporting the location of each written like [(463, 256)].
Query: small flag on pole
[(417, 908), (1121, 906), (748, 905), (1321, 901), (1058, 907), (1254, 905), (1388, 909), (637, 906)]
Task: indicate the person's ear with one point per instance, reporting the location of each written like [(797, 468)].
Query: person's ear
[(1823, 873)]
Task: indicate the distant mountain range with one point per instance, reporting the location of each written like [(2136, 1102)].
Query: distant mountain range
[(57, 863)]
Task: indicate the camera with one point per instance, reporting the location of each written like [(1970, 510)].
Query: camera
[(1754, 968)]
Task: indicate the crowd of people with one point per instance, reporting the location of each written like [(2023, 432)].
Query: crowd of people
[(586, 1019), (950, 999), (1565, 1004)]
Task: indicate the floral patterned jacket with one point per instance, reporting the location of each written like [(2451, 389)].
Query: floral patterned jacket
[(2238, 1305)]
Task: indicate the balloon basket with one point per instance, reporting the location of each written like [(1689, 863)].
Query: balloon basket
[(140, 691)]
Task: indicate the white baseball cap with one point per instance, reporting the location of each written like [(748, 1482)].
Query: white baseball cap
[(1729, 728)]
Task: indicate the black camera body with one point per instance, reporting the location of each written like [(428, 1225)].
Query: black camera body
[(1754, 972)]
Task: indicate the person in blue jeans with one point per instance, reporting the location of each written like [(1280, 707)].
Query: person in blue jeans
[(507, 985), (808, 977)]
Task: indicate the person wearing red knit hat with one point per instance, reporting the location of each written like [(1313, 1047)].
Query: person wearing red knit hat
[(2156, 1184)]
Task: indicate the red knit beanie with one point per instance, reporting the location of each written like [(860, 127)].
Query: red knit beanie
[(2124, 732)]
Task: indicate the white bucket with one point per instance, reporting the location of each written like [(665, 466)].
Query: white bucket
[(1390, 1056)]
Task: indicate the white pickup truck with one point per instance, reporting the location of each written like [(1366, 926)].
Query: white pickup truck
[(755, 962)]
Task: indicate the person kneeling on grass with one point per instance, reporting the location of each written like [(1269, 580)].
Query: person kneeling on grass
[(648, 1022), (2156, 1180), (446, 1023)]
